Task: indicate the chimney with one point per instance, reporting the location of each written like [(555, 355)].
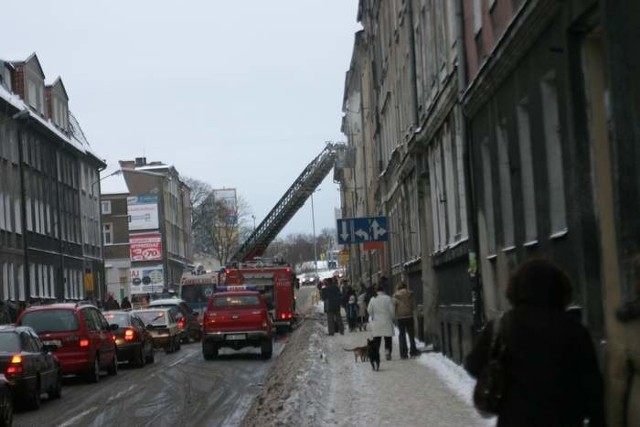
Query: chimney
[(141, 161)]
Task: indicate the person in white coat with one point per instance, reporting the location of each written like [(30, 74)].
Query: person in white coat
[(381, 315)]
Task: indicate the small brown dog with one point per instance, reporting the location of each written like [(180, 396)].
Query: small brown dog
[(359, 352)]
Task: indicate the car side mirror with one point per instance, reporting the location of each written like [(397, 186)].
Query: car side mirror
[(148, 327), (114, 327)]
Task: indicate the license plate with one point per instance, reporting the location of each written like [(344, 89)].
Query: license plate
[(53, 342), (236, 337), (159, 334)]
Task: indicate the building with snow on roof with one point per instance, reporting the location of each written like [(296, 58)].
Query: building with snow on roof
[(50, 241), (146, 215)]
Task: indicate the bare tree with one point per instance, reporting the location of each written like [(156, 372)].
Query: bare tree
[(217, 228), (228, 229)]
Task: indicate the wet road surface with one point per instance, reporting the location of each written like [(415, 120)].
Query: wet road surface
[(178, 389)]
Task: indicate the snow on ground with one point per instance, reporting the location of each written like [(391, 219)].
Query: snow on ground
[(324, 386)]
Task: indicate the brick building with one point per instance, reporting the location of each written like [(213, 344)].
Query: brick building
[(146, 214)]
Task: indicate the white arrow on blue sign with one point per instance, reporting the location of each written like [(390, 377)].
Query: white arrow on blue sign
[(361, 230)]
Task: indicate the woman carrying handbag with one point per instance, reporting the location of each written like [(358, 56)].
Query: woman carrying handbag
[(536, 366)]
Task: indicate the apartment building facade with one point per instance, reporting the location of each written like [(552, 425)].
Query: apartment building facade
[(525, 145), (50, 244)]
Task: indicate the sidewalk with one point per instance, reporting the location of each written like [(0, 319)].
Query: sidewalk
[(321, 385)]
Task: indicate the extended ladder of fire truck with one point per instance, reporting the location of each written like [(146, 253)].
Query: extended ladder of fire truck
[(289, 204)]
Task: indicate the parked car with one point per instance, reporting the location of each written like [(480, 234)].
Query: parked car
[(187, 320), (29, 366), (84, 337), (163, 326), (237, 319), (6, 403), (134, 343)]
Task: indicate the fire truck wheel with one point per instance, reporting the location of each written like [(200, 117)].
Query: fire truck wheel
[(266, 348), (209, 350)]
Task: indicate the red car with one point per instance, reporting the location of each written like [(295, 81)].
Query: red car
[(237, 319), (84, 338)]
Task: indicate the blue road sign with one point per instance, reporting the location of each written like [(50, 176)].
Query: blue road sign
[(361, 230)]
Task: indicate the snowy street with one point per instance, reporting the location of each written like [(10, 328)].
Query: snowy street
[(316, 382)]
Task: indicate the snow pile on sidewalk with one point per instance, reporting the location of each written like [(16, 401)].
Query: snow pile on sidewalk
[(324, 386)]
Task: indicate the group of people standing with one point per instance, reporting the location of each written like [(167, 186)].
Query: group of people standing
[(374, 306)]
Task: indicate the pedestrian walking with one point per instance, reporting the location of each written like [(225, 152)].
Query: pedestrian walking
[(352, 313), (333, 305), (548, 360), (381, 314), (362, 310), (111, 304), (125, 304), (403, 304)]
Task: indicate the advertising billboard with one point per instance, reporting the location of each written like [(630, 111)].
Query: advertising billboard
[(145, 247), (143, 212), (146, 280)]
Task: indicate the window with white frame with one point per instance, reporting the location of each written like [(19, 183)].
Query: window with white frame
[(7, 212), (32, 95), (12, 278), (2, 215), (52, 282), (506, 197), (17, 211), (33, 292), (526, 172), (477, 16), (40, 270), (21, 289), (106, 206), (4, 275), (487, 188), (107, 233), (553, 145)]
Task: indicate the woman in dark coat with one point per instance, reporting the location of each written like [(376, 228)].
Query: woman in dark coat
[(551, 372)]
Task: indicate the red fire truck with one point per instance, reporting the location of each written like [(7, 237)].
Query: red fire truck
[(276, 281)]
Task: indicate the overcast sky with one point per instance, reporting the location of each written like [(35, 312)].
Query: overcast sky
[(234, 93)]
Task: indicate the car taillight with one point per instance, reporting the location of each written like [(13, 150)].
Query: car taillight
[(129, 335), (181, 323), (84, 342), (15, 365)]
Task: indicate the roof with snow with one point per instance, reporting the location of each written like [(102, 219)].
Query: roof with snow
[(76, 137), (113, 183)]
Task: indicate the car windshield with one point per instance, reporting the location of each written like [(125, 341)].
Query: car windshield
[(236, 301), (120, 319), (154, 318), (9, 342), (51, 320)]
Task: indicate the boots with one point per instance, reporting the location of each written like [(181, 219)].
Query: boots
[(388, 355)]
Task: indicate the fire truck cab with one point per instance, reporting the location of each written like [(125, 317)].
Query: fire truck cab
[(275, 281)]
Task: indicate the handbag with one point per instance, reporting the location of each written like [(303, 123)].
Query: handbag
[(488, 393)]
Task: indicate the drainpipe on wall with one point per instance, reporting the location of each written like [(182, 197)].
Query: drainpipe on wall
[(474, 274)]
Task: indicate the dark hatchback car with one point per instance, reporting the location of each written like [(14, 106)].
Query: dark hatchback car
[(187, 320), (29, 366), (134, 343), (83, 335)]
